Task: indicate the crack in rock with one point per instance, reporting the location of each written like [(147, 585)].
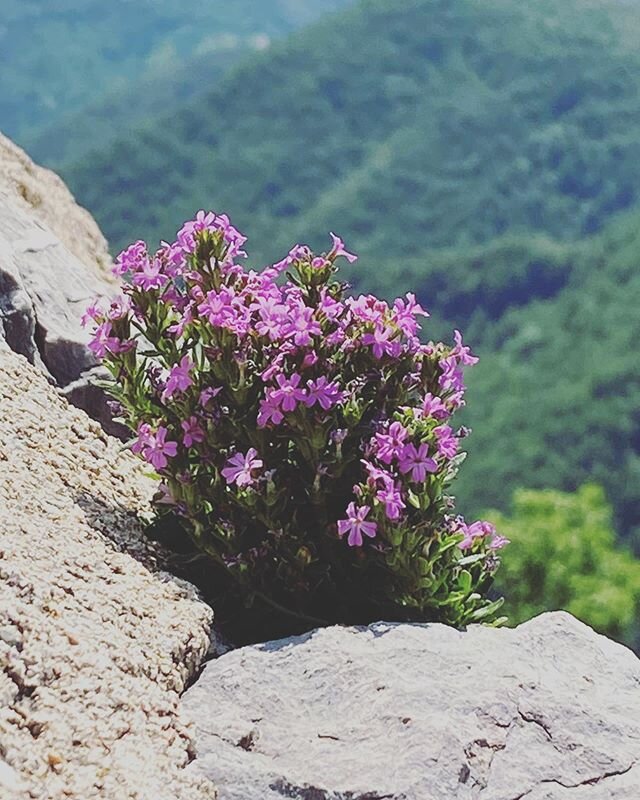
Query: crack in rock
[(587, 782), (313, 793)]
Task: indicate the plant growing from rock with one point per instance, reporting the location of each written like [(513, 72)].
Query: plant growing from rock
[(303, 436)]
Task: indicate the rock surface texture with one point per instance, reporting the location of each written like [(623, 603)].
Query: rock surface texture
[(96, 641), (53, 262), (548, 711)]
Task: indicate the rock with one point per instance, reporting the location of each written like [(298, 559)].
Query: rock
[(97, 641), (548, 711), (53, 262), (45, 196)]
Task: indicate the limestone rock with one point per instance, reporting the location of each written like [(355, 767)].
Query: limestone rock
[(96, 641), (44, 195), (53, 262), (548, 711)]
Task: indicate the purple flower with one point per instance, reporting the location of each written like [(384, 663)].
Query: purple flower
[(102, 342), (328, 306), (381, 341), (463, 353), (208, 221), (417, 462), (447, 442), (179, 379), (338, 249), (498, 542), (355, 525), (302, 326), (477, 530), (186, 319), (239, 468), (451, 377), (156, 449), (150, 276), (405, 313), (218, 307), (310, 359), (208, 394), (132, 259), (434, 407), (322, 392), (193, 433), (388, 446), (299, 252), (269, 411), (145, 435), (377, 475), (391, 497), (287, 394), (93, 314)]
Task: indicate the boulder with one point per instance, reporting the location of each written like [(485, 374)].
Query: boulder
[(53, 262), (547, 711), (97, 641)]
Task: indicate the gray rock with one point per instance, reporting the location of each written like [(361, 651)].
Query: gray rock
[(97, 640), (548, 711), (53, 262)]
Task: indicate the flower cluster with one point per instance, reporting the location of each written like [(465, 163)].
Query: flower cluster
[(304, 436)]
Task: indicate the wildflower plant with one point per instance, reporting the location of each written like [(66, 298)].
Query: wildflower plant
[(303, 436)]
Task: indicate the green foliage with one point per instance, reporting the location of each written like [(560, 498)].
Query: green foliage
[(59, 57), (563, 556)]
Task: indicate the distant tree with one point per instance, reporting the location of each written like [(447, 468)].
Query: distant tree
[(563, 555)]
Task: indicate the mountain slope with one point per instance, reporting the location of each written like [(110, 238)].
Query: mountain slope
[(405, 124), (59, 57), (555, 401)]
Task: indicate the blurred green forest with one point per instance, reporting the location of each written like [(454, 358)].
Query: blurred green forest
[(409, 125), (563, 556), (76, 73), (483, 153)]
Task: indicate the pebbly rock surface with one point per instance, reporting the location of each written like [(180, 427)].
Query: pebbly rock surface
[(53, 262), (96, 641), (548, 711)]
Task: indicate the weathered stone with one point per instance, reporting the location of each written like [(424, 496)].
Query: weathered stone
[(53, 262), (97, 641), (44, 195), (548, 711)]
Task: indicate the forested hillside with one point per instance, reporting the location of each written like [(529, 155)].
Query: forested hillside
[(407, 124), (477, 151), (58, 57)]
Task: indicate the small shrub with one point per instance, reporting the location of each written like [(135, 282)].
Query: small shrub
[(303, 436)]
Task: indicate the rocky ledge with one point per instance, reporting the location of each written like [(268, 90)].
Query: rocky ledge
[(96, 641), (53, 262), (548, 711)]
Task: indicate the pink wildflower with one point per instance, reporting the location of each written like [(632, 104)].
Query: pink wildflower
[(447, 443), (394, 505), (239, 468), (322, 392), (390, 445), (193, 433), (179, 378), (338, 249), (150, 276), (156, 450), (288, 395), (302, 326), (382, 341), (417, 462), (355, 525)]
